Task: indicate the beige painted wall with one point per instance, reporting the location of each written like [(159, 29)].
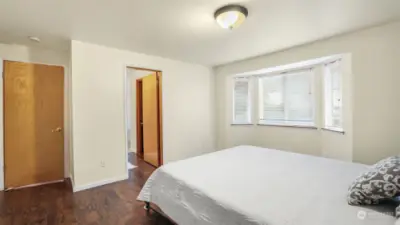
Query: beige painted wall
[(44, 56), (375, 54), (98, 92)]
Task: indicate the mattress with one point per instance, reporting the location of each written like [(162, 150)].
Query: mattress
[(252, 185)]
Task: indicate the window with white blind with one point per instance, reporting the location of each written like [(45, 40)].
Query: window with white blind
[(287, 99), (241, 101), (333, 96)]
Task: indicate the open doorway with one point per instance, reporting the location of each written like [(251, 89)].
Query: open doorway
[(144, 120)]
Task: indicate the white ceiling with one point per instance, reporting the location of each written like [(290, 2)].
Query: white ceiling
[(185, 29)]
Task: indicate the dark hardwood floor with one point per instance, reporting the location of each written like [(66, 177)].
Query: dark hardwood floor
[(53, 204)]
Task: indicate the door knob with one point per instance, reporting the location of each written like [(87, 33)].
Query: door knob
[(58, 129)]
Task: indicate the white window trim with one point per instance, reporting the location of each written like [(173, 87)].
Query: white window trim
[(333, 129), (249, 97)]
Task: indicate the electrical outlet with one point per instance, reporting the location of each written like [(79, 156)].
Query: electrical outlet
[(102, 164)]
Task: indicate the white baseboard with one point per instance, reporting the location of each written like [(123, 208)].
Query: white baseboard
[(100, 183)]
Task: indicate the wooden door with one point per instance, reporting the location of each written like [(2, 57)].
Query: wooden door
[(33, 123), (150, 119)]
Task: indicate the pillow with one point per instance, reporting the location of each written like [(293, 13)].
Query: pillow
[(397, 213), (380, 182)]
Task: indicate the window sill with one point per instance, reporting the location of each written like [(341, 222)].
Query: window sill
[(241, 124), (333, 130), (289, 125)]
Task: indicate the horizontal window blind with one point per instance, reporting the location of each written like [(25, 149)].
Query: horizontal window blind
[(287, 99), (273, 95), (333, 95), (241, 101)]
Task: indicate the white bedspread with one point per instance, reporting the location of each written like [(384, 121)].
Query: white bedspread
[(251, 185)]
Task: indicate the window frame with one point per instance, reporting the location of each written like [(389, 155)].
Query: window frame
[(324, 125), (249, 98), (284, 73)]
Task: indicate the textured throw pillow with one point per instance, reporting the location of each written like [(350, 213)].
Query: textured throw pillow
[(380, 182), (397, 213)]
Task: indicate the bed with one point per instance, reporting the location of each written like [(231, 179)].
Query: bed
[(252, 185)]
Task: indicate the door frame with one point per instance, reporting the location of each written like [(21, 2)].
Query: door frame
[(160, 119), (1, 127), (66, 97), (138, 106)]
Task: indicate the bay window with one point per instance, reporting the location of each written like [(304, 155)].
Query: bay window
[(303, 94)]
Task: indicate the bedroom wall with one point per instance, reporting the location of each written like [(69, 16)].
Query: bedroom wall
[(376, 126), (22, 53), (98, 91)]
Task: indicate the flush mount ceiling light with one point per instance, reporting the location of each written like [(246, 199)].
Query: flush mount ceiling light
[(34, 39), (231, 16)]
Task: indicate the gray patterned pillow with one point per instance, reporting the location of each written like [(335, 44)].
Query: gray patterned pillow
[(380, 182)]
